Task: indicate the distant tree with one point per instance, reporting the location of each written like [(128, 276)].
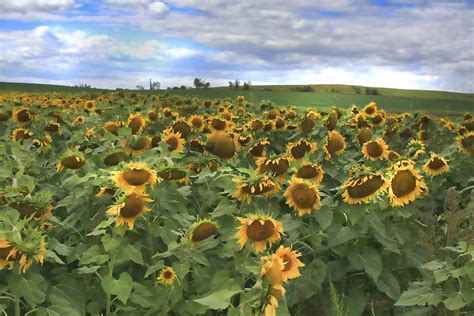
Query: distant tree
[(199, 83), (139, 87), (84, 85), (371, 91), (207, 85), (247, 85), (231, 84), (154, 85), (237, 84), (183, 87)]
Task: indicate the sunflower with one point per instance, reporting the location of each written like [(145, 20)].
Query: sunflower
[(174, 174), (219, 125), (436, 165), (291, 263), (416, 148), (335, 144), (153, 116), (405, 184), (112, 127), (180, 126), (136, 123), (332, 121), (53, 127), (90, 105), (392, 155), (22, 116), (256, 125), (114, 158), (128, 207), (137, 145), (370, 108), (258, 229), (167, 276), (174, 141), (261, 186), (43, 143), (364, 188), (221, 144), (74, 161), (31, 249), (276, 167), (466, 143), (197, 123), (313, 173), (258, 148), (20, 134), (360, 120), (196, 144), (202, 230), (134, 177), (375, 149), (299, 149), (364, 135), (4, 116), (79, 120), (302, 196), (377, 118)]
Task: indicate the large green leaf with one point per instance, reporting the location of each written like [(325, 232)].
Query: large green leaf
[(418, 296), (219, 299), (369, 260), (343, 236), (32, 287), (67, 300), (121, 287), (388, 284)]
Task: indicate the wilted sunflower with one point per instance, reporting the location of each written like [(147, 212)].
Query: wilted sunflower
[(134, 177), (137, 144), (405, 184), (291, 263), (258, 229), (202, 230), (174, 141), (335, 144), (71, 160), (22, 116), (375, 149), (174, 174), (20, 134), (299, 149), (466, 143), (136, 123), (167, 276), (361, 189), (53, 127), (302, 196), (221, 144), (313, 173), (197, 123), (276, 167), (436, 165), (128, 208), (31, 249), (261, 186)]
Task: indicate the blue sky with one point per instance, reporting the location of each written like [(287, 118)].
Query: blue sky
[(414, 44)]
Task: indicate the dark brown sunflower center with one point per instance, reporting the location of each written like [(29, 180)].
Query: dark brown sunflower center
[(436, 163), (258, 232), (203, 231), (72, 162), (218, 124), (112, 128), (136, 177), (197, 122), (24, 116), (303, 196), (364, 135), (4, 253), (257, 125), (468, 142), (374, 149), (307, 125), (53, 127), (133, 206), (332, 121), (300, 150), (279, 123), (155, 141), (256, 189), (406, 133), (403, 183), (307, 172), (257, 149), (135, 124), (182, 128), (377, 119), (287, 262), (366, 188), (335, 144), (244, 140), (167, 275), (221, 145), (172, 143), (370, 110), (115, 158), (276, 167), (172, 174)]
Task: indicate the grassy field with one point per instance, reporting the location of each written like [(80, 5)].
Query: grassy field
[(322, 96)]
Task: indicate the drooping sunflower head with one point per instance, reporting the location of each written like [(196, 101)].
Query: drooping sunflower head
[(436, 165), (71, 159), (375, 149), (22, 252), (335, 144), (174, 174), (416, 148), (182, 127), (112, 127), (136, 123), (221, 144), (466, 143), (167, 276), (364, 135), (196, 144), (128, 207), (276, 166), (137, 144), (35, 204), (258, 148), (202, 230), (406, 184), (331, 121), (53, 127), (300, 148), (134, 177), (258, 230), (259, 185), (307, 124), (370, 108), (43, 142), (291, 263), (363, 187), (20, 134), (197, 123), (244, 140), (174, 141), (302, 196), (313, 173), (256, 125), (23, 116), (272, 270), (217, 124), (377, 118)]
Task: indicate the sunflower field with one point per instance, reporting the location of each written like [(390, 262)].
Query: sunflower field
[(143, 204)]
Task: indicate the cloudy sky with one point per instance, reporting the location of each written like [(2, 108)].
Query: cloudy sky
[(418, 44)]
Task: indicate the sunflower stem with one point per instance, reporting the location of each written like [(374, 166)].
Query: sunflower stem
[(17, 306), (110, 273)]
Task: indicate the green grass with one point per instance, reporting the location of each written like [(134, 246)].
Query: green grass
[(323, 96)]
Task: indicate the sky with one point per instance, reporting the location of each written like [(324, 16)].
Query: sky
[(417, 44)]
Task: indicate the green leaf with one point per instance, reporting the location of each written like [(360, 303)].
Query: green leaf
[(418, 296), (344, 235), (130, 252), (455, 302), (67, 300), (225, 207), (369, 260), (121, 287), (324, 217), (388, 284), (157, 266), (87, 270), (219, 299), (33, 289), (93, 255)]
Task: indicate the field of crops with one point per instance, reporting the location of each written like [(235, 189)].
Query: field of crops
[(142, 204)]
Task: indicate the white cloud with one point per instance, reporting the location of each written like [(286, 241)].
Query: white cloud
[(158, 8)]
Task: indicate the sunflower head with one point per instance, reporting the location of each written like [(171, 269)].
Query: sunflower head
[(23, 115), (197, 123), (258, 230), (174, 141), (79, 120), (174, 174), (260, 185), (182, 127), (112, 127), (364, 135), (436, 165), (114, 158), (137, 144), (276, 167), (370, 108), (136, 123), (313, 173), (128, 207), (302, 196), (22, 252), (363, 187), (258, 148), (332, 121), (202, 230), (221, 144), (219, 125), (90, 105), (406, 184), (466, 143), (134, 177), (256, 125), (44, 142), (72, 159), (291, 263), (416, 148), (375, 149), (335, 144), (297, 150), (19, 134), (167, 276)]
